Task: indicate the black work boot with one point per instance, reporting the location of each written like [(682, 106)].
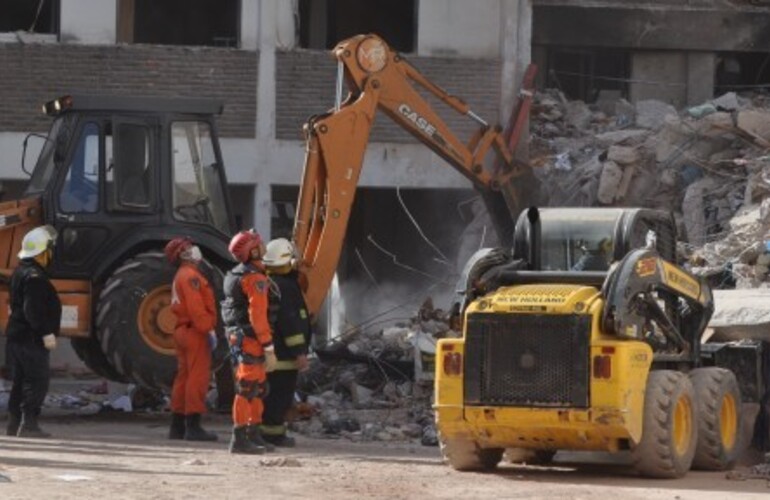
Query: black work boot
[(14, 421), (281, 440), (241, 444), (193, 430), (255, 436), (29, 428), (176, 431)]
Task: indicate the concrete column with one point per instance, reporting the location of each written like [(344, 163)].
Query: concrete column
[(249, 29), (660, 75), (88, 21), (515, 55), (263, 199), (701, 72)]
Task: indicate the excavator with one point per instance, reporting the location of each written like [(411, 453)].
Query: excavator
[(579, 333)]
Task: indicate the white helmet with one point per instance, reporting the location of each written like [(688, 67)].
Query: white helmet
[(37, 241), (279, 252)]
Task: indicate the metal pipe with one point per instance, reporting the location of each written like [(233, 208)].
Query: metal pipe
[(340, 76), (478, 119)]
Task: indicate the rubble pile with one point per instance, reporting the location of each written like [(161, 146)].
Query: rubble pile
[(375, 385), (708, 164)]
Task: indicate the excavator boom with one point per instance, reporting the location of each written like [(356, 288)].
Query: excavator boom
[(378, 78)]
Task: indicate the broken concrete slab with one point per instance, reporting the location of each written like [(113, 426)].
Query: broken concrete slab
[(623, 155), (578, 115), (755, 122), (726, 102), (627, 137), (609, 182), (651, 113)]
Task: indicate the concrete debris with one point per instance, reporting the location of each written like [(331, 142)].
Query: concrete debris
[(374, 385), (651, 113), (705, 165)]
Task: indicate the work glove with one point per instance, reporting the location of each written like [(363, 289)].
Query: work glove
[(49, 341), (270, 360), (212, 340), (302, 363)]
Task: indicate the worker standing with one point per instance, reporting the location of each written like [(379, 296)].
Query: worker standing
[(244, 312), (194, 339), (290, 324), (32, 329)]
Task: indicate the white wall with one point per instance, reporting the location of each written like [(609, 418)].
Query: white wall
[(459, 27), (88, 21)]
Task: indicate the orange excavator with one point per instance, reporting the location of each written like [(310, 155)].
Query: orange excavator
[(378, 78)]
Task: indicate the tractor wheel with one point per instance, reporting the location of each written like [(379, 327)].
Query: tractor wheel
[(465, 455), (135, 325), (719, 418), (90, 352), (669, 426)]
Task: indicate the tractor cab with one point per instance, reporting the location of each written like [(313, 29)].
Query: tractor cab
[(113, 169)]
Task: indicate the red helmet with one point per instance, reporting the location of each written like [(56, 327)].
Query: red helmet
[(243, 243), (175, 247)]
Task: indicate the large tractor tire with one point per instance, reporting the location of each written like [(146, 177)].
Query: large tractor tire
[(90, 352), (465, 455), (134, 322), (719, 418), (669, 426)]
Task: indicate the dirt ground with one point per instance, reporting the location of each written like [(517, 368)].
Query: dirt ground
[(127, 457)]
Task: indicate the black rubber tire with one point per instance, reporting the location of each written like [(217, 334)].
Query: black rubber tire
[(655, 455), (530, 457), (712, 385), (116, 321), (90, 352), (467, 456)]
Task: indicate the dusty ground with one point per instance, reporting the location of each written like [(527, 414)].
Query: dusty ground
[(126, 456)]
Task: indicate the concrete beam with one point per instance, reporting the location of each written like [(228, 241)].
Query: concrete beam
[(640, 28)]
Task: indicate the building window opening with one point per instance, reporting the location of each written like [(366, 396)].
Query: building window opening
[(323, 23), (586, 73), (40, 16), (179, 22), (736, 71)]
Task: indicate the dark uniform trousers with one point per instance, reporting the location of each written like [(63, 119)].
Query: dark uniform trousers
[(280, 397), (29, 366)]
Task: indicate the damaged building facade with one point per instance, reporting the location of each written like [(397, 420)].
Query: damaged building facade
[(680, 51), (268, 61)]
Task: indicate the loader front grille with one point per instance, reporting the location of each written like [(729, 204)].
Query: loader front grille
[(527, 360)]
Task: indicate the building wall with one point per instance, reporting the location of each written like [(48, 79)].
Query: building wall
[(33, 74)]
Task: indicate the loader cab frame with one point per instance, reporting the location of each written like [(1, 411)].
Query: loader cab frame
[(553, 239)]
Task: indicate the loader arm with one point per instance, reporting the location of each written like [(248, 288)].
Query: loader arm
[(378, 78)]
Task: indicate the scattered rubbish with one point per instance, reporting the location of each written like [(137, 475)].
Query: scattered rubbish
[(280, 462), (195, 461), (71, 478), (122, 403)]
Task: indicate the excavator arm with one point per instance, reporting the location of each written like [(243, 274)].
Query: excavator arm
[(378, 78)]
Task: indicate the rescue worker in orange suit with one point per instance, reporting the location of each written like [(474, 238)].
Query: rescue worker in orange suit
[(195, 309), (291, 336), (244, 312), (31, 334)]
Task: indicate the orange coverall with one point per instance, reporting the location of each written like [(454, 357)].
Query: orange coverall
[(196, 315), (251, 377)]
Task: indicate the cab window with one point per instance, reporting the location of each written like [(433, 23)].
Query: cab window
[(80, 191)]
